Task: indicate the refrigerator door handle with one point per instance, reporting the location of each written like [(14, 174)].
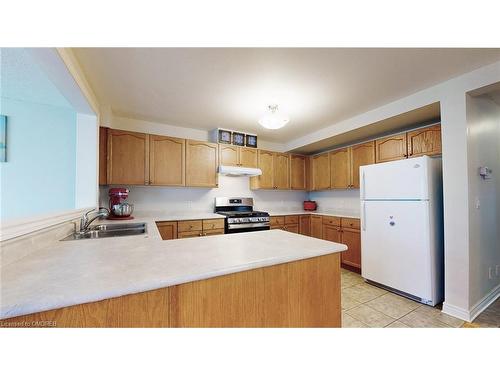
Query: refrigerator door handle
[(363, 219), (363, 186)]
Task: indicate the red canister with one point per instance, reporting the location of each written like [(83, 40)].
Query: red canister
[(310, 205)]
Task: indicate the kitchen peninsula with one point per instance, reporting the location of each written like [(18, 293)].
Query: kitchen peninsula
[(257, 279)]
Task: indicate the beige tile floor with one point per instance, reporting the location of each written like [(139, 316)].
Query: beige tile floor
[(364, 305)]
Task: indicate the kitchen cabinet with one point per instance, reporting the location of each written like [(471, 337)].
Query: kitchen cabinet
[(292, 224), (167, 229), (202, 159), (248, 157), (167, 161), (275, 171), (128, 158), (351, 237), (340, 171), (391, 148), (331, 233), (305, 225), (103, 155), (317, 226), (362, 154), (198, 228), (321, 172), (297, 172), (426, 141), (309, 179), (237, 156)]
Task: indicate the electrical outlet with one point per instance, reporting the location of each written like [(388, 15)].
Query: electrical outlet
[(490, 273), (497, 270)]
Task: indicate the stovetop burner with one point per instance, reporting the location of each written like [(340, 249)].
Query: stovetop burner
[(240, 216)]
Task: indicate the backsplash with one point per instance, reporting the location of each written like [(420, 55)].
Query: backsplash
[(337, 200), (182, 199)]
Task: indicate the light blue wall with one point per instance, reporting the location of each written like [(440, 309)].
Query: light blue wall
[(39, 175)]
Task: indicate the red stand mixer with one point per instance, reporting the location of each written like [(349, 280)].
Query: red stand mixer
[(118, 208)]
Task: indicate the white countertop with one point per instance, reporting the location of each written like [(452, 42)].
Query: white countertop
[(75, 272), (339, 213)]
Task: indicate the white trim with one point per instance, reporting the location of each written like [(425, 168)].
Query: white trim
[(478, 308), (456, 311), (483, 304), (16, 228)]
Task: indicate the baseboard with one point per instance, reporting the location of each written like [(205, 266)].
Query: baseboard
[(483, 304), (478, 308)]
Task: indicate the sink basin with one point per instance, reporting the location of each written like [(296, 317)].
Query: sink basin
[(109, 230)]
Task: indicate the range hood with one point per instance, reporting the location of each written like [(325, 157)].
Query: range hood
[(229, 170)]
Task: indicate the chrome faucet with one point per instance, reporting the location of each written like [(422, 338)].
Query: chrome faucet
[(103, 212)]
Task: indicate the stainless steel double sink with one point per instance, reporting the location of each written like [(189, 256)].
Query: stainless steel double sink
[(109, 230)]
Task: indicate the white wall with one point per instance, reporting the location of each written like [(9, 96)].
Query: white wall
[(346, 201), (86, 161), (483, 118), (173, 200)]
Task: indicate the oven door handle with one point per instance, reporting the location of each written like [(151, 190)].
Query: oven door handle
[(247, 225)]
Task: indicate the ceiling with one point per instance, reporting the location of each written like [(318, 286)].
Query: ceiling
[(206, 88)]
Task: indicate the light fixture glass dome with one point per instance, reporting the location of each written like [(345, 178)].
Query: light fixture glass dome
[(273, 119)]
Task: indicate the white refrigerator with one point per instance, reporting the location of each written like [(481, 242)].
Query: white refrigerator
[(402, 227)]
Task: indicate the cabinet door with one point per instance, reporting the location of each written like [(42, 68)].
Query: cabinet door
[(167, 229), (266, 164), (363, 154), (281, 171), (426, 141), (167, 161), (340, 172), (103, 155), (391, 148), (297, 172), (352, 239), (201, 164), (228, 155), (294, 228), (305, 225), (331, 233), (248, 157), (321, 172), (128, 158), (317, 226), (309, 178)]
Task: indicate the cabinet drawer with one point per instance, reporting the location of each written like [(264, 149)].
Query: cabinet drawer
[(190, 225), (331, 220), (212, 232), (277, 220), (213, 224), (291, 219), (192, 233), (294, 228), (350, 223)]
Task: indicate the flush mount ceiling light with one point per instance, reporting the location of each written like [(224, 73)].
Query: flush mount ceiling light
[(272, 119)]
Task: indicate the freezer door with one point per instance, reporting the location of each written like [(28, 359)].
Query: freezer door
[(395, 246), (401, 179)]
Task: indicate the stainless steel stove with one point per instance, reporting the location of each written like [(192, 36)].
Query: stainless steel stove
[(240, 216)]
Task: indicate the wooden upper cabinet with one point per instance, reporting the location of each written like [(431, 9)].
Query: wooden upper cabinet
[(103, 155), (391, 148), (228, 155), (248, 157), (309, 179), (166, 161), (426, 141), (281, 171), (321, 172), (340, 169), (201, 164), (362, 154), (266, 164), (128, 158), (297, 172)]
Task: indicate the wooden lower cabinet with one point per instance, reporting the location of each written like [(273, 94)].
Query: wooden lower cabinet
[(167, 229), (304, 293), (352, 239), (317, 226), (294, 228), (305, 225), (331, 233)]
